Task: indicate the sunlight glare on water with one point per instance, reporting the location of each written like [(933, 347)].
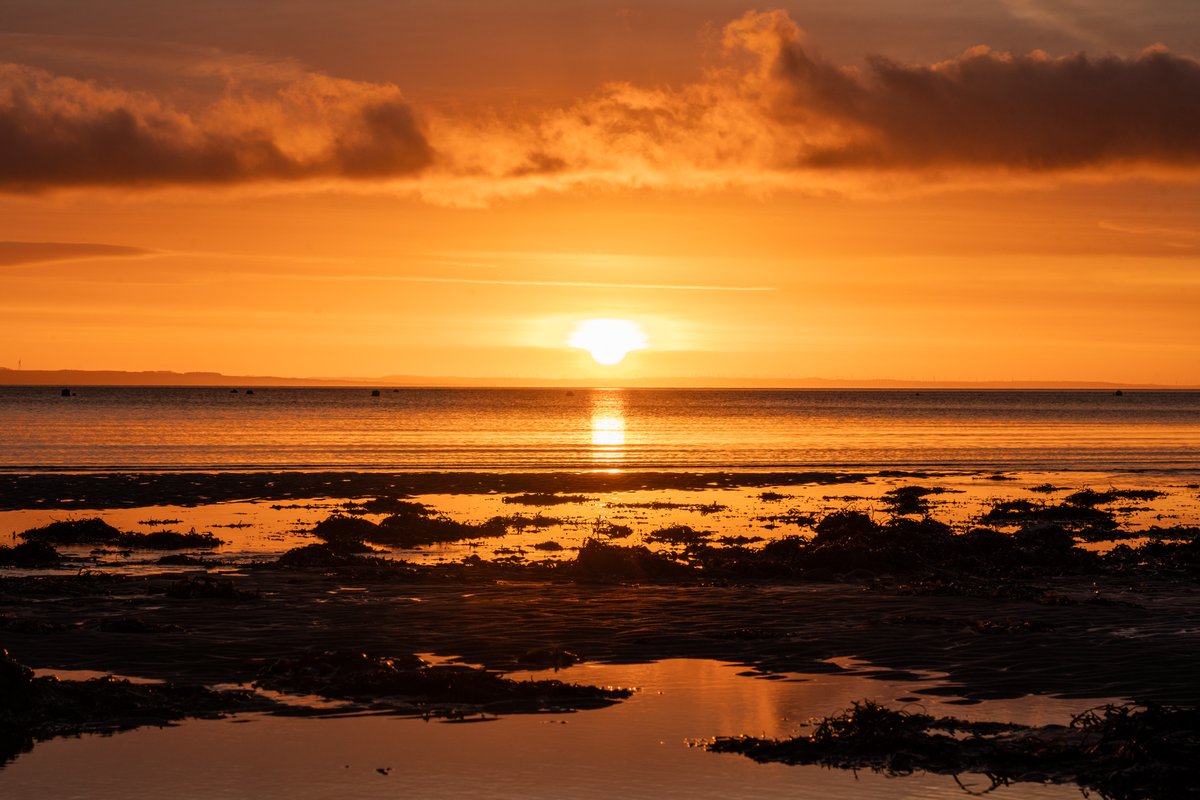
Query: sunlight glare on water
[(348, 428)]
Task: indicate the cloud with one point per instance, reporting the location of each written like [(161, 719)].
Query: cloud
[(19, 253), (61, 132), (776, 115), (772, 114)]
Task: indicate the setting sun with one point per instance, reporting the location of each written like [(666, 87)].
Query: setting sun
[(608, 340)]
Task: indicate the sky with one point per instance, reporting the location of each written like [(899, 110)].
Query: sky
[(874, 189)]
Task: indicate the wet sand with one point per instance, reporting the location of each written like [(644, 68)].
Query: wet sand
[(1143, 646), (1131, 633)]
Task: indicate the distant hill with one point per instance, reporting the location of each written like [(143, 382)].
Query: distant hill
[(74, 377), (87, 377)]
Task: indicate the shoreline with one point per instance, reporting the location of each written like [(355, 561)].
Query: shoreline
[(101, 489)]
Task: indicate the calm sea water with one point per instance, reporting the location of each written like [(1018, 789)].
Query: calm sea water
[(313, 428)]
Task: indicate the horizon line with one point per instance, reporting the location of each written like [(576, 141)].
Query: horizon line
[(203, 378)]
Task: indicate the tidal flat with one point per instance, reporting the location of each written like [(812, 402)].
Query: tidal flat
[(367, 603)]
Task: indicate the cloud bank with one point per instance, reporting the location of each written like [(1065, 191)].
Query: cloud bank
[(61, 132), (771, 115)]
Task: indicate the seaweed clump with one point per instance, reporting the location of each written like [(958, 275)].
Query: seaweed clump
[(409, 684), (852, 545), (96, 531), (413, 525), (910, 499), (601, 561), (33, 554), (35, 709), (1122, 752), (547, 499)]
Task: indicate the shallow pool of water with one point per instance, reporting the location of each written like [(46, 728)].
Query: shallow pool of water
[(638, 748)]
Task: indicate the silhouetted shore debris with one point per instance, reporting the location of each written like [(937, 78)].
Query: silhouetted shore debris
[(1089, 498), (407, 683), (678, 534), (911, 499), (1076, 517), (547, 499), (521, 522), (96, 531), (667, 505), (35, 709), (611, 530), (914, 555), (412, 525), (602, 561), (1121, 752), (30, 555)]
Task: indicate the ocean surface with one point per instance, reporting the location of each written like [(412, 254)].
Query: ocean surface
[(126, 428)]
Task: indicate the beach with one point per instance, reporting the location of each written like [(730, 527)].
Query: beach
[(975, 639)]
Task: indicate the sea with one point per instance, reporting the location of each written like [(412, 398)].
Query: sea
[(359, 428)]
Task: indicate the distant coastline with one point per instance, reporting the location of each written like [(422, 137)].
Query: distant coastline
[(74, 377)]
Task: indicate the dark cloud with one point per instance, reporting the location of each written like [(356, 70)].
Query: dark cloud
[(984, 109), (59, 132), (1026, 112)]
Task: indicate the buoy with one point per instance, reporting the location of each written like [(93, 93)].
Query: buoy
[(66, 392), (374, 393)]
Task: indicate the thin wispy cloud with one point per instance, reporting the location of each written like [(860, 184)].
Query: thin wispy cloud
[(681, 287)]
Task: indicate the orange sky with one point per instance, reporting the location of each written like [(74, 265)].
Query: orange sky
[(884, 190)]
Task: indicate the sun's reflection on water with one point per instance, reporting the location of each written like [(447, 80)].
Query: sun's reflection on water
[(608, 425)]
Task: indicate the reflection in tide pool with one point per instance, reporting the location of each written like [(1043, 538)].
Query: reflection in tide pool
[(636, 749), (608, 425)]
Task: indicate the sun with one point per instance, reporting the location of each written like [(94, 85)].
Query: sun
[(608, 340)]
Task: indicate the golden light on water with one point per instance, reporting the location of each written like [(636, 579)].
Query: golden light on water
[(608, 340), (608, 425)]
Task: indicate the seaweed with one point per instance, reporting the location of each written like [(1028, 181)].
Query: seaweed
[(547, 499), (413, 525), (611, 530), (678, 534), (74, 531), (1122, 752), (407, 683), (601, 561), (98, 532), (520, 522), (703, 509), (910, 499), (1071, 515), (1087, 498), (31, 554), (36, 709)]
